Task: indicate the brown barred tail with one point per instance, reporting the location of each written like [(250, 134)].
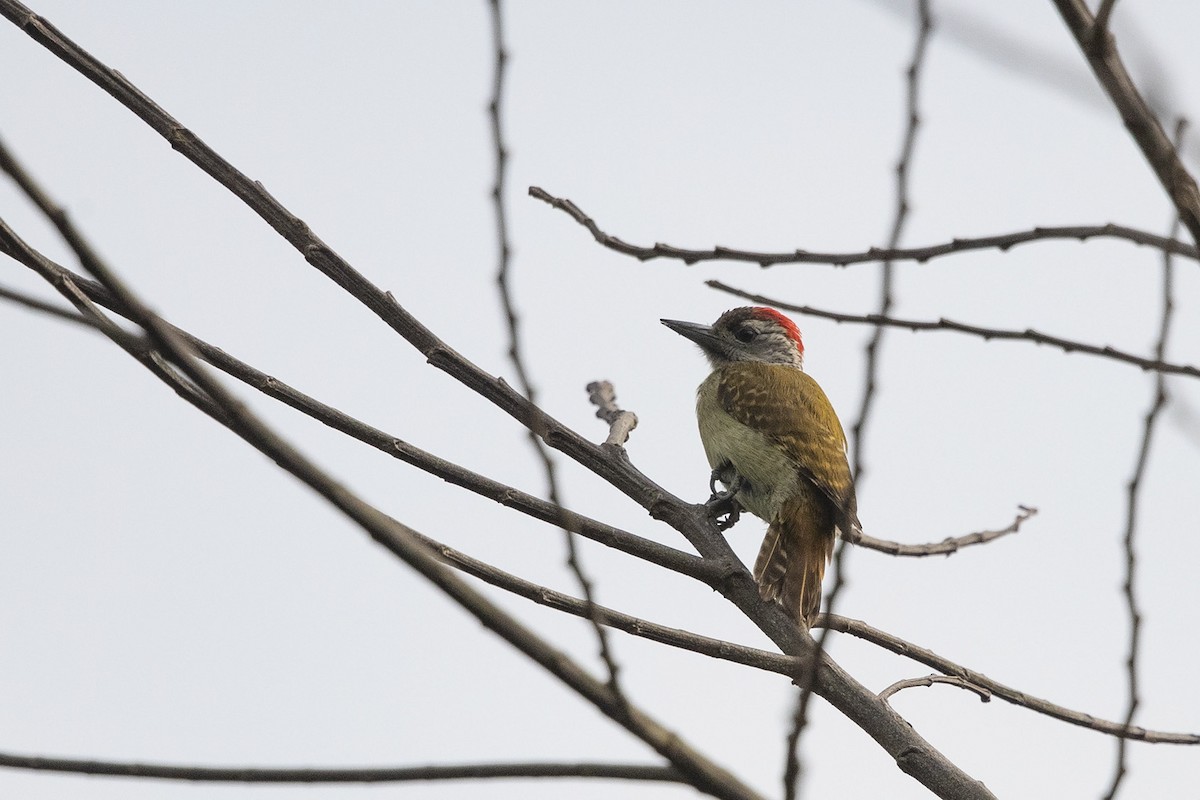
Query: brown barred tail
[(791, 561)]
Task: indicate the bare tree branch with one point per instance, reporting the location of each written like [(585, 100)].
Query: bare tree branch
[(398, 538), (1101, 52), (503, 275), (947, 546), (432, 772), (929, 680), (943, 324), (871, 255)]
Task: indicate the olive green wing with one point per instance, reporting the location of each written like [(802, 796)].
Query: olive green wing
[(789, 407)]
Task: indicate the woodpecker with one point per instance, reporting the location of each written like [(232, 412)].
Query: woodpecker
[(773, 438)]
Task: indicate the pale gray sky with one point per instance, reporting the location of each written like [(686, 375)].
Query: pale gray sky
[(166, 594)]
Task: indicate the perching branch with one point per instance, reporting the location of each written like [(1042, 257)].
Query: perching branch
[(943, 324), (1002, 242)]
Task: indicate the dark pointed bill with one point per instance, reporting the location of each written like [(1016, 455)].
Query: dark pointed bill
[(700, 334)]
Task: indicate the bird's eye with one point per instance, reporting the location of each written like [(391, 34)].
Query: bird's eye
[(745, 334)]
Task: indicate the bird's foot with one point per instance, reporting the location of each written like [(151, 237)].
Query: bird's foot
[(724, 504)]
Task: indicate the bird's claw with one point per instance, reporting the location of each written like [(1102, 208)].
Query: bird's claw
[(724, 503)]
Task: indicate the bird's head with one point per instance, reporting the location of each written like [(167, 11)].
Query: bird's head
[(750, 333)]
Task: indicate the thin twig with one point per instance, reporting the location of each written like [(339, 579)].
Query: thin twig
[(871, 255), (503, 276), (1157, 404), (947, 546), (1098, 47), (929, 680), (432, 772), (943, 324)]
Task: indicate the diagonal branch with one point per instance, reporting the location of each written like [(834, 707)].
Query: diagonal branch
[(640, 547), (943, 324), (605, 534), (871, 255), (398, 538), (1101, 52)]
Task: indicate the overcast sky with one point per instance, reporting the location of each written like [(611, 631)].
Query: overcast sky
[(167, 594)]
